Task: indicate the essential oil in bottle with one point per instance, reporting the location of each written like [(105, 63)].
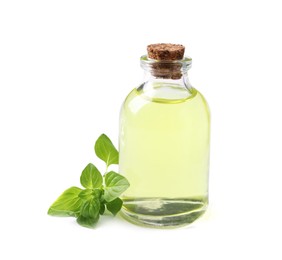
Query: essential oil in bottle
[(164, 143)]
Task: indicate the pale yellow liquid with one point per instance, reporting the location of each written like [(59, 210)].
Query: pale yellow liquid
[(164, 153)]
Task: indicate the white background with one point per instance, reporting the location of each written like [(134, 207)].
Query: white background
[(65, 68)]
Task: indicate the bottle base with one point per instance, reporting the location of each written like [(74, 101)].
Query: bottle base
[(162, 212)]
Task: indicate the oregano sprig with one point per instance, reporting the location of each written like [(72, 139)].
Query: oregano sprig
[(100, 193)]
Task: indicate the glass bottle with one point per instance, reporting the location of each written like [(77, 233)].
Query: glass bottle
[(164, 143)]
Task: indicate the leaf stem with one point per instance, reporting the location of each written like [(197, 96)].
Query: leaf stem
[(106, 170)]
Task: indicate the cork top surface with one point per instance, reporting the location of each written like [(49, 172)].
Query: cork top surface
[(165, 51)]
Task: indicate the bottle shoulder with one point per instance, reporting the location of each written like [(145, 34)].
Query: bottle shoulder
[(138, 100), (169, 95)]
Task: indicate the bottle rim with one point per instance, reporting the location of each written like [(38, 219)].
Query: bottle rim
[(166, 69), (185, 63)]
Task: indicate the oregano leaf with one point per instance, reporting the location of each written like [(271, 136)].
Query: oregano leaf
[(90, 208), (106, 151), (87, 222), (89, 194), (89, 213), (68, 203), (91, 177), (116, 184), (88, 204), (114, 206), (102, 209)]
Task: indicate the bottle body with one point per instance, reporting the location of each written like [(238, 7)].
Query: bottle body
[(164, 153)]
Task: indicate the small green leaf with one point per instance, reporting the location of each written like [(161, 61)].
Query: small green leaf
[(68, 204), (106, 151), (87, 222), (114, 206), (89, 213), (116, 184), (97, 193), (91, 178), (90, 208), (89, 194), (86, 194), (102, 208)]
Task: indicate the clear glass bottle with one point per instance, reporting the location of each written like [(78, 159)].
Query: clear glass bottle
[(164, 147)]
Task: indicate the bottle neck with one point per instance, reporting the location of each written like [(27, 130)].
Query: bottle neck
[(166, 79), (182, 81)]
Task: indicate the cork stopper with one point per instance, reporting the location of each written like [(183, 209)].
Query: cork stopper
[(165, 51), (166, 56)]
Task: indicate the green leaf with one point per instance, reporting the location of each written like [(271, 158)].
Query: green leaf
[(89, 194), (89, 213), (90, 208), (97, 193), (91, 178), (86, 194), (68, 204), (114, 206), (116, 184), (87, 222), (106, 151), (102, 208)]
